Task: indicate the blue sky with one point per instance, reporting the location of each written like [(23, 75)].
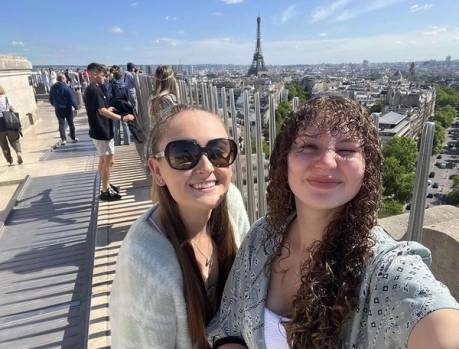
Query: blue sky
[(223, 31)]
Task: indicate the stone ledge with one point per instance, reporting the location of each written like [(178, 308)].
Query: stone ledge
[(14, 63), (440, 235)]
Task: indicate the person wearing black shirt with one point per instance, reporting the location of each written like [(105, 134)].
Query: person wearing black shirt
[(100, 119)]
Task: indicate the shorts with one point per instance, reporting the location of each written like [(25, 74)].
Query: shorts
[(104, 147)]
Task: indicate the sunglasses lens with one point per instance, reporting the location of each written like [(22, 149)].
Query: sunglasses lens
[(221, 152), (183, 154)]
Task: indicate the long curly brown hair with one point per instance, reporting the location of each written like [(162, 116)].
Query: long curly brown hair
[(331, 274)]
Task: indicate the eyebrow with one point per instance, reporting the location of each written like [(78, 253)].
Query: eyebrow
[(344, 140)]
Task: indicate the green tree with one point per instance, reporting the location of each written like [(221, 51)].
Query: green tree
[(405, 150), (397, 182), (447, 95), (439, 138), (390, 207), (376, 108), (295, 90), (283, 109)]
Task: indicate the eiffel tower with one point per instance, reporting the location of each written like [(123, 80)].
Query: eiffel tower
[(258, 64)]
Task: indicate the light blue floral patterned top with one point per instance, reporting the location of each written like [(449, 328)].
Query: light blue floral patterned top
[(397, 291)]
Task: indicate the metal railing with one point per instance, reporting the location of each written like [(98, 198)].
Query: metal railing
[(222, 103)]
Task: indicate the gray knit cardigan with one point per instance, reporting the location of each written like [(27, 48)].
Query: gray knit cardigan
[(147, 305)]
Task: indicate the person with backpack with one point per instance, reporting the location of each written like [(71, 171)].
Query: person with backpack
[(7, 134)]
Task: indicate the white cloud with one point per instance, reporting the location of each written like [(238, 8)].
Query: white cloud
[(288, 13), (217, 14), (226, 39), (135, 4), (343, 10), (17, 43), (323, 34), (325, 12), (434, 30), (232, 2), (417, 7), (170, 18), (167, 41), (117, 30)]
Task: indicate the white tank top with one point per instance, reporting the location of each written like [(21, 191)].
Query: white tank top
[(274, 331)]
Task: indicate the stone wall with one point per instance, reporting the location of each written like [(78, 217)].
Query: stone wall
[(14, 77), (440, 235)]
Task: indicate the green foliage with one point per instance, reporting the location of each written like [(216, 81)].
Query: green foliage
[(397, 182), (453, 196), (405, 150), (439, 138), (295, 90), (390, 207), (400, 155), (376, 108), (447, 95), (266, 149), (445, 116), (283, 109)]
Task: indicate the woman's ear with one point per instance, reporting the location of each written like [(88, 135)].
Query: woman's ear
[(155, 171)]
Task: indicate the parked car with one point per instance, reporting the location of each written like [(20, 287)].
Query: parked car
[(432, 174), (440, 164), (435, 185), (439, 156), (430, 196)]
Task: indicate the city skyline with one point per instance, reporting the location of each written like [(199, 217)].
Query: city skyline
[(224, 31)]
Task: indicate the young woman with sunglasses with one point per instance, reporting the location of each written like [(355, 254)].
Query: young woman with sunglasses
[(176, 257), (317, 271)]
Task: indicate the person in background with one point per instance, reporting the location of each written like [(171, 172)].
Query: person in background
[(52, 77), (100, 119), (174, 261), (130, 84), (119, 95), (62, 98), (45, 80), (7, 135), (165, 94), (317, 271)]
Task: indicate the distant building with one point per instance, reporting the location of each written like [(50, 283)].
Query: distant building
[(393, 124)]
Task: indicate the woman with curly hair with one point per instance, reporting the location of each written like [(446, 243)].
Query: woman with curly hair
[(317, 271)]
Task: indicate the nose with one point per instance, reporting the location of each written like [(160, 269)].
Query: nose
[(204, 165), (326, 159)]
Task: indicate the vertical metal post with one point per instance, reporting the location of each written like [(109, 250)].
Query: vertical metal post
[(248, 160), (295, 103), (376, 121), (260, 160), (196, 90), (224, 108), (211, 99), (418, 201), (239, 183), (190, 88), (203, 95), (210, 106), (272, 123), (215, 98)]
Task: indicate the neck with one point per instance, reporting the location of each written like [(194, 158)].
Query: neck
[(309, 226), (195, 220)]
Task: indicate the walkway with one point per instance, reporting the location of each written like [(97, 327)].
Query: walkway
[(46, 245)]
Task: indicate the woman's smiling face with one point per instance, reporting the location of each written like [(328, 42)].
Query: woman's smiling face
[(203, 186), (325, 170)]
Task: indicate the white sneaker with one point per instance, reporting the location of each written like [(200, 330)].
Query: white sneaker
[(63, 142), (75, 140)]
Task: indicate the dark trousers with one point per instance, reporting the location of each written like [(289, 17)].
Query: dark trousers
[(62, 115), (13, 138)]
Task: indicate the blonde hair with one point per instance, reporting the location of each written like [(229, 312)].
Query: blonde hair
[(2, 90), (165, 84)]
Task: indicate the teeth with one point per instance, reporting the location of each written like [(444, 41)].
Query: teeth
[(203, 185)]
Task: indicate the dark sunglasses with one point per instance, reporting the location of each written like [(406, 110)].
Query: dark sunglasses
[(185, 154)]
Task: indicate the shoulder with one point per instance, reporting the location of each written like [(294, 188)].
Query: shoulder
[(147, 249)]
